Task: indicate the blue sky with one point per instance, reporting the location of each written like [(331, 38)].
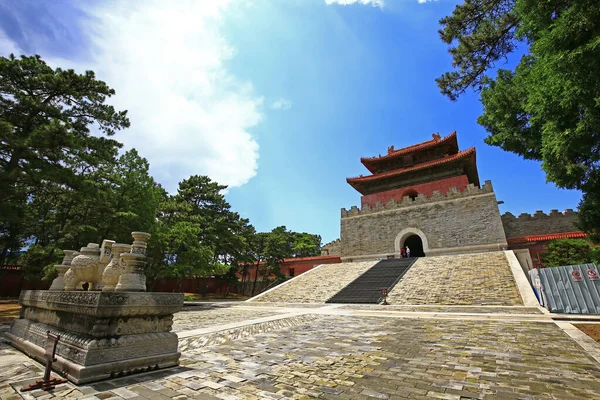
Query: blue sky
[(277, 98)]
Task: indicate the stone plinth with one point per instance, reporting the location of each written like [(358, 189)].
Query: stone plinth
[(102, 334)]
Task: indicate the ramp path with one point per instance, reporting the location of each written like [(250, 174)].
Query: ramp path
[(462, 279), (366, 289), (316, 285)]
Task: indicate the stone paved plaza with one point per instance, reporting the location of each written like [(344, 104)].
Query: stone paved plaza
[(241, 351)]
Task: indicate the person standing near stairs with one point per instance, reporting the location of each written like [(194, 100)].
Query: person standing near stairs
[(407, 252)]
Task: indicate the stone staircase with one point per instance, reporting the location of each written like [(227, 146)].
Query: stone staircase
[(366, 289), (462, 279), (316, 285)]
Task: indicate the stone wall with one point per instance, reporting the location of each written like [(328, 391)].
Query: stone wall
[(332, 248), (539, 223), (455, 222)]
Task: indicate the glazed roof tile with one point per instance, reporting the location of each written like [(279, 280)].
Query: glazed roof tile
[(400, 171), (410, 149), (546, 237)]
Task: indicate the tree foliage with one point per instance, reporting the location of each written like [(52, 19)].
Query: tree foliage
[(548, 107), (568, 252), (46, 148), (62, 187)]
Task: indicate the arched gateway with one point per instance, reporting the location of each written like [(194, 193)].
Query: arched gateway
[(415, 239), (415, 244)]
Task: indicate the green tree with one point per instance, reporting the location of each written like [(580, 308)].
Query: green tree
[(548, 107), (133, 198), (256, 252), (305, 244), (197, 234), (115, 198), (279, 245), (175, 248), (45, 119), (567, 252)]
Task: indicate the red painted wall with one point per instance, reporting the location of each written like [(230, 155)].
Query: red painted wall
[(12, 282), (443, 185), (189, 285), (299, 265)]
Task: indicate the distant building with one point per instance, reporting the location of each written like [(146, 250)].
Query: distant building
[(428, 196)]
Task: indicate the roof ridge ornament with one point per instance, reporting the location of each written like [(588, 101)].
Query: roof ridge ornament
[(391, 149), (436, 137)]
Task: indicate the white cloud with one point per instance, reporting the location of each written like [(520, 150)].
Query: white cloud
[(281, 104), (7, 46), (166, 60), (426, 1), (374, 3)]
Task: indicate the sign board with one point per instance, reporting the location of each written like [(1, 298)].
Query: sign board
[(384, 292), (576, 274), (51, 345), (592, 274)]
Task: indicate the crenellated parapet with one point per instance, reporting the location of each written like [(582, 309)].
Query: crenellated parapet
[(539, 223), (420, 199), (332, 248), (540, 215)]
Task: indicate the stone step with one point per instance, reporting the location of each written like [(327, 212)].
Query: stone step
[(366, 289)]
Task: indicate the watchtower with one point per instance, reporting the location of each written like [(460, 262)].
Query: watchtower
[(426, 196)]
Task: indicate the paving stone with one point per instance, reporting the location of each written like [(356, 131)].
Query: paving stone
[(234, 378), (124, 393), (350, 357), (194, 385), (372, 393), (212, 385)]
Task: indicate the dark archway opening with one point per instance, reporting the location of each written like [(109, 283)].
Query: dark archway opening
[(415, 244), (412, 193)]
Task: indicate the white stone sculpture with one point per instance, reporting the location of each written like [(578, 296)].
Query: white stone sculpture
[(113, 270), (89, 266), (140, 242), (104, 333), (132, 277), (59, 283)]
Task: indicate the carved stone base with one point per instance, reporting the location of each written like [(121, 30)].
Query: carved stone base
[(102, 335)]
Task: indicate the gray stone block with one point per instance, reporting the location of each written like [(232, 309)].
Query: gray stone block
[(102, 335)]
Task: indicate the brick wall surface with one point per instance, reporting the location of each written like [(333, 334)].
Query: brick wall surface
[(539, 223), (443, 185), (465, 221), (462, 279)]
